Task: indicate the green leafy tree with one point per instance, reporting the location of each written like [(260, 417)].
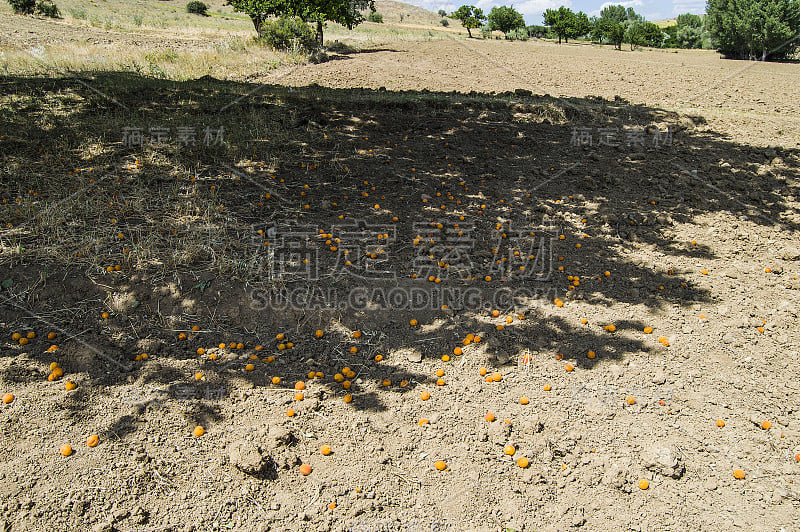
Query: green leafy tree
[(471, 17), (634, 35), (561, 21), (505, 19), (348, 13), (653, 35), (581, 25), (614, 13), (754, 29)]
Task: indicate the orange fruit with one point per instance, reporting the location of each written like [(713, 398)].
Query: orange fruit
[(325, 450), (546, 388), (413, 323), (610, 328), (16, 336), (249, 367), (70, 385), (445, 358), (195, 328), (290, 412), (631, 400), (66, 450), (8, 398), (509, 450), (591, 354), (524, 400), (201, 351), (569, 367), (648, 330), (276, 380), (440, 465), (766, 425), (489, 417), (348, 398), (720, 423), (496, 377), (319, 333), (300, 385), (299, 396), (425, 396), (357, 334), (738, 474), (93, 440), (523, 462), (305, 470), (198, 431), (31, 335), (457, 351), (483, 372), (643, 484)]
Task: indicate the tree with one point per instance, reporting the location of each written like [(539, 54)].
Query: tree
[(634, 35), (754, 29), (581, 25), (471, 17), (348, 13), (653, 35), (561, 21), (505, 19)]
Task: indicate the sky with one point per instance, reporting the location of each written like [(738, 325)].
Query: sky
[(532, 9)]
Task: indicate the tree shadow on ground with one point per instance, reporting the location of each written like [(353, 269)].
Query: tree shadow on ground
[(564, 188)]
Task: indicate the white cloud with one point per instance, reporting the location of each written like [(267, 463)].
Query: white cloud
[(688, 6)]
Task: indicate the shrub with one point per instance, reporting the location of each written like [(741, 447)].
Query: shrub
[(47, 9), (23, 7), (289, 33), (442, 13), (445, 22), (375, 17), (520, 34), (196, 7), (486, 31)]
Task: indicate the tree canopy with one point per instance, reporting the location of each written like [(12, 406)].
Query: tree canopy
[(754, 29), (348, 13), (567, 24), (471, 17), (505, 19)]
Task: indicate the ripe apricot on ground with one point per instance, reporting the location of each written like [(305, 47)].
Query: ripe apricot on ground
[(643, 484), (290, 412), (738, 474), (70, 385), (483, 372), (8, 398), (198, 431), (631, 400), (610, 328), (457, 351), (523, 462), (325, 450), (319, 333), (440, 465), (766, 425), (276, 380), (299, 396), (249, 367), (648, 330), (489, 417), (300, 385), (569, 367), (93, 440), (547, 388), (425, 396), (720, 423), (305, 470), (348, 398), (65, 450), (413, 323), (509, 450)]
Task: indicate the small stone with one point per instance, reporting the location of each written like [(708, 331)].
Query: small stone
[(248, 458)]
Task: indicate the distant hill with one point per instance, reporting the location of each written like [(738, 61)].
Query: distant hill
[(392, 12)]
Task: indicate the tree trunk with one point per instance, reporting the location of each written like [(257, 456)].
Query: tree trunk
[(319, 33), (559, 38), (469, 32), (257, 22)]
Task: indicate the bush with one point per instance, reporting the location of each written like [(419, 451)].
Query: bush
[(445, 22), (196, 7), (375, 17), (520, 34), (289, 33), (23, 7), (47, 9), (442, 13)]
